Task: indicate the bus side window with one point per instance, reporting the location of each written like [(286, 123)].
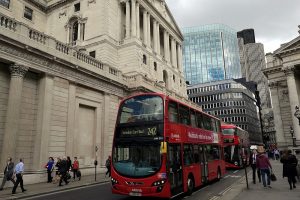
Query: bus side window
[(215, 152), (184, 115), (196, 154), (193, 119), (173, 112), (188, 154), (207, 123), (214, 127), (199, 120), (209, 153)]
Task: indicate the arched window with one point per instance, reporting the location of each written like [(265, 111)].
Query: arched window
[(75, 31), (144, 59)]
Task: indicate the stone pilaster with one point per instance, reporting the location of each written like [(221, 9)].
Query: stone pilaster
[(138, 32), (154, 35), (148, 30), (280, 139), (79, 32), (41, 144), (145, 27), (293, 97), (13, 112), (166, 46), (158, 40), (133, 18), (173, 50), (127, 19), (179, 57)]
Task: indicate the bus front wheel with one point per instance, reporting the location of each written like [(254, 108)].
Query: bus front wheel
[(190, 185)]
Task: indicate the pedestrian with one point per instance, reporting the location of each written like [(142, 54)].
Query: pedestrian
[(57, 174), (75, 168), (289, 162), (108, 164), (63, 171), (8, 173), (69, 163), (50, 167), (252, 161), (264, 165), (277, 154), (19, 170)]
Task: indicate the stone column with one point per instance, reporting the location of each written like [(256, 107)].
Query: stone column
[(277, 114), (158, 40), (133, 18), (138, 20), (145, 27), (154, 35), (179, 57), (293, 97), (149, 30), (166, 46), (127, 19), (173, 48), (68, 33), (11, 127), (79, 31), (45, 92)]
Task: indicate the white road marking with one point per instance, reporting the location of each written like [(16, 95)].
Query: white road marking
[(236, 171)]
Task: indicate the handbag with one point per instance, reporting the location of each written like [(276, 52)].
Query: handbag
[(273, 177)]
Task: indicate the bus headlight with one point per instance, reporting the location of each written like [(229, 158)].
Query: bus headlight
[(114, 181), (159, 183), (235, 163)]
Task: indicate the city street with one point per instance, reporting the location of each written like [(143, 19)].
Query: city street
[(103, 190)]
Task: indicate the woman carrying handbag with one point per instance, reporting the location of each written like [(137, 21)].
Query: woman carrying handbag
[(289, 162)]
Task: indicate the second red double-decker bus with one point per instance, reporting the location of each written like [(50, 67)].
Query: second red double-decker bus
[(236, 145), (163, 147)]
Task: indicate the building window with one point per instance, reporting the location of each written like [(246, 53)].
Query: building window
[(174, 78), (155, 66), (144, 59), (28, 13), (75, 31), (77, 7), (93, 54), (5, 3)]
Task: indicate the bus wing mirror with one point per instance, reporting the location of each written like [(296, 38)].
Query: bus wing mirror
[(163, 147)]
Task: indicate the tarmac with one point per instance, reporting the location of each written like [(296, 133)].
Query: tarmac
[(279, 191)]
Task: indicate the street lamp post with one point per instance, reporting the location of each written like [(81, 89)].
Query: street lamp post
[(297, 113), (293, 136)]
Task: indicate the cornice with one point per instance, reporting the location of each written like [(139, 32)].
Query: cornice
[(272, 70)]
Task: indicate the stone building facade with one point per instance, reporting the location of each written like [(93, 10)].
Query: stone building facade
[(283, 73), (65, 65)]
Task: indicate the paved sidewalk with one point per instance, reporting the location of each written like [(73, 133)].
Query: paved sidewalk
[(280, 189), (46, 188)]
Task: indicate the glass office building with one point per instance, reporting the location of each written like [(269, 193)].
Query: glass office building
[(210, 54)]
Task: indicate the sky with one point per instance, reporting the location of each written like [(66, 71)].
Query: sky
[(274, 21)]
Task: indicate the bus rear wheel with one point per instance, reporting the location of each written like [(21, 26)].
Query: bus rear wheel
[(190, 185)]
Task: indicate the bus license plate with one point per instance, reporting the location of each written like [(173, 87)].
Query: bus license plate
[(135, 194)]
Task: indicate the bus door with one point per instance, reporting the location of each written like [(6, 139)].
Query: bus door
[(175, 168), (203, 163)]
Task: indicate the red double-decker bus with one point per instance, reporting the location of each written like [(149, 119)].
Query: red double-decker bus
[(163, 147), (236, 145)]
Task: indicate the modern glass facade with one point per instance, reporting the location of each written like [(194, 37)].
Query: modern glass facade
[(210, 53)]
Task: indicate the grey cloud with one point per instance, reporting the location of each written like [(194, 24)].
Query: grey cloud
[(274, 21)]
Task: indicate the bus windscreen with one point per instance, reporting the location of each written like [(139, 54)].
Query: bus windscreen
[(141, 109)]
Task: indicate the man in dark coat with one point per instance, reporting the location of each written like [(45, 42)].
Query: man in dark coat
[(63, 168), (252, 161), (8, 173), (289, 162)]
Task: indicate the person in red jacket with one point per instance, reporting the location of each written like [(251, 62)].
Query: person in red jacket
[(263, 164), (75, 168)]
